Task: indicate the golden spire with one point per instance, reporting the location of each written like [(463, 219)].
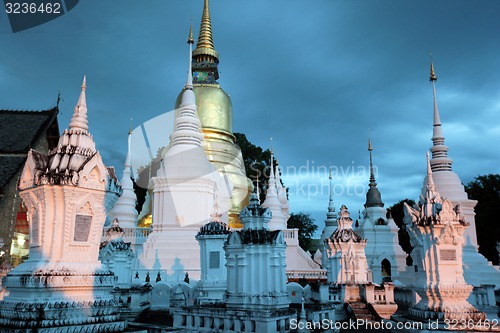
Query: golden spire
[(433, 76), (205, 43), (190, 37)]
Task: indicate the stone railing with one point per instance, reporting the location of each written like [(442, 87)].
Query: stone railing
[(319, 274), (379, 294), (335, 295), (132, 232), (169, 276), (291, 236)]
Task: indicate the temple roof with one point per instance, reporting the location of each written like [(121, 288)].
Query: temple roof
[(19, 132)]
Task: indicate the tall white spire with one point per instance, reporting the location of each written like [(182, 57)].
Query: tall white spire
[(187, 125), (79, 119), (438, 130), (285, 208), (331, 215), (124, 209), (278, 220), (440, 160)]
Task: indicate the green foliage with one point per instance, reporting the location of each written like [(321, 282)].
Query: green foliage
[(486, 190), (256, 162), (398, 214), (306, 226)]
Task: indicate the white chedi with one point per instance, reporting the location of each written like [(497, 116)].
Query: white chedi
[(66, 193), (273, 202), (183, 196), (436, 231), (124, 208), (478, 271)]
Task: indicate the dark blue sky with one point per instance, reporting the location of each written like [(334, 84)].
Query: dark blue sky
[(317, 76)]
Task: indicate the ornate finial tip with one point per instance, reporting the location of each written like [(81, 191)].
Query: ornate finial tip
[(84, 83), (370, 147), (433, 76), (190, 37)]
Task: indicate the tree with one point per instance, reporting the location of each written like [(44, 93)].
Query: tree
[(256, 162), (306, 226), (398, 214), (486, 190)]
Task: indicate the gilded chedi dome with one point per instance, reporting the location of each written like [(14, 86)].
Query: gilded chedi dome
[(215, 110)]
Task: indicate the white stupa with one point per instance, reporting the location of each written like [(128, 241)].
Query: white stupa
[(124, 208), (282, 195), (273, 202), (436, 230), (63, 287), (477, 269), (182, 196), (298, 261)]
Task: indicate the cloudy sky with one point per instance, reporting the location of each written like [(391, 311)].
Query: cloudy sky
[(318, 76)]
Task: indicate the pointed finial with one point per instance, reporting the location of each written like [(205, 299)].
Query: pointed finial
[(79, 119), (189, 82), (432, 76), (331, 207), (190, 37), (205, 39), (128, 159), (205, 58), (441, 161), (271, 175), (372, 175), (188, 97)]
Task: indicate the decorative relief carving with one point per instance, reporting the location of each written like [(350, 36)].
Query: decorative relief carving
[(448, 236)]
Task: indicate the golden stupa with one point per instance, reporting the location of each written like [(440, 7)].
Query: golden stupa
[(215, 112)]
